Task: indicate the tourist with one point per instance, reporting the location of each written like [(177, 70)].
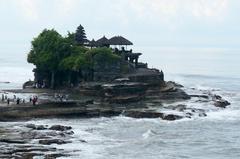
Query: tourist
[(8, 101), (2, 97), (30, 99), (18, 101), (36, 97), (34, 101)]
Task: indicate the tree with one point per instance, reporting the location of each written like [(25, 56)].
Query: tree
[(61, 60), (71, 37), (48, 49), (80, 35)]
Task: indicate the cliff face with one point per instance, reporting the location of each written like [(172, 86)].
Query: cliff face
[(106, 71), (145, 75)]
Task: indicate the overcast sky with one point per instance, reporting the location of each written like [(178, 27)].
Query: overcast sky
[(163, 23)]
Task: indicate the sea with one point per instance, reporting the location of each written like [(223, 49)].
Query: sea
[(216, 136)]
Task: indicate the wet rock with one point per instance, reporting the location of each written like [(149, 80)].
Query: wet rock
[(217, 97), (69, 133), (177, 94), (125, 99), (171, 117), (29, 84), (55, 155), (38, 135), (221, 103), (175, 84), (12, 141), (60, 128), (27, 155), (202, 114), (180, 107), (21, 143), (124, 92), (52, 141), (199, 112), (83, 141), (140, 114), (200, 96), (36, 127), (190, 111), (31, 126)]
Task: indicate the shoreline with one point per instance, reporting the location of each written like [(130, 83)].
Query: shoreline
[(112, 100)]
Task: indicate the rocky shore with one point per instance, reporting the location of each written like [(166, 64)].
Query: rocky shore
[(123, 97), (29, 141), (130, 99)]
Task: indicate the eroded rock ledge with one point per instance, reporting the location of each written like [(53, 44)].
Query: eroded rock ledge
[(131, 99), (29, 141)]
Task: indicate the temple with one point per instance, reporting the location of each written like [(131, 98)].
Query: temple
[(127, 66), (119, 46)]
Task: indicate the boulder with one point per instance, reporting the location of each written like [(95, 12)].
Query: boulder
[(36, 127), (142, 114), (171, 117), (180, 107), (29, 84), (221, 103), (12, 141), (200, 96), (60, 128), (52, 141)]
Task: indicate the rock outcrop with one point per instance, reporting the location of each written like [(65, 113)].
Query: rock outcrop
[(29, 142), (221, 103)]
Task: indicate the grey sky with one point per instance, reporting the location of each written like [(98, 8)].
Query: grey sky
[(164, 23)]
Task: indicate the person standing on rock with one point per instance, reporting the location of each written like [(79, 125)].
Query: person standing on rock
[(34, 101), (2, 97), (36, 97), (30, 99), (18, 101), (8, 101)]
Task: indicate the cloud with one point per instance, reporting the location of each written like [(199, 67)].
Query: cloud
[(206, 8), (28, 8), (64, 7), (160, 10), (165, 9)]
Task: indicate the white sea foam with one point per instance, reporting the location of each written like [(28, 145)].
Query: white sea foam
[(148, 134), (124, 137)]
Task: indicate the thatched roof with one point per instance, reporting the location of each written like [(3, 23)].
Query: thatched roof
[(119, 40), (102, 42), (92, 43)]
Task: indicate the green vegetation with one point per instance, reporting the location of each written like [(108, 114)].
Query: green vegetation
[(62, 61)]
